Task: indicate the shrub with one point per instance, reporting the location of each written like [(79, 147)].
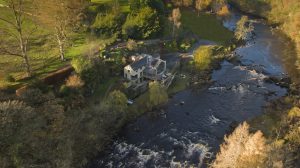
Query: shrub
[(64, 90), (74, 81), (186, 44), (171, 45), (294, 112), (80, 64), (33, 96), (131, 45), (293, 134)]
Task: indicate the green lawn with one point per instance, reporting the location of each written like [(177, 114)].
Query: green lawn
[(206, 26)]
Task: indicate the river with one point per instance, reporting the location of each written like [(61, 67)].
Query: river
[(190, 134)]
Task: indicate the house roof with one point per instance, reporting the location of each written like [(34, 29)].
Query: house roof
[(139, 64)]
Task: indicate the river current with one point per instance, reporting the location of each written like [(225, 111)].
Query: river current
[(190, 134)]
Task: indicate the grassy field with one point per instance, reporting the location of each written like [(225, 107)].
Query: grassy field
[(206, 26), (123, 4), (45, 59), (43, 53)]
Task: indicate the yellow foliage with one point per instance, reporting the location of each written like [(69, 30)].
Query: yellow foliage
[(203, 57), (224, 11), (294, 112), (74, 81)]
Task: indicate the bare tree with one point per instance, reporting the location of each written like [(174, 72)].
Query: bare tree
[(14, 32), (62, 16), (175, 19)]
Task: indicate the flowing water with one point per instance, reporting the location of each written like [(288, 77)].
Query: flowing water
[(190, 134)]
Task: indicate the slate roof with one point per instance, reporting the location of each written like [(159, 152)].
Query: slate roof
[(139, 64)]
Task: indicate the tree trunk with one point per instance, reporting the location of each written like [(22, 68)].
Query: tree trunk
[(28, 67), (60, 37), (24, 55), (61, 49), (173, 32)]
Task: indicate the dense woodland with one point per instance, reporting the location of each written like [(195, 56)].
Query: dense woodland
[(67, 124)]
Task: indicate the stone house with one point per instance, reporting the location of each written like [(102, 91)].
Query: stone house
[(145, 67)]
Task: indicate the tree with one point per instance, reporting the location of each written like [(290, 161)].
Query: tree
[(115, 106), (223, 12), (177, 2), (216, 5), (107, 24), (141, 24), (32, 136), (242, 149), (157, 94), (203, 57), (175, 19), (187, 3), (158, 5), (14, 127), (17, 30), (134, 5), (243, 28), (202, 4), (61, 16)]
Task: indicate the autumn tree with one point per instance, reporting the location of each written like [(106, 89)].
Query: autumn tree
[(217, 5), (187, 3), (243, 28), (202, 5), (175, 19), (177, 2), (62, 17), (203, 57), (242, 149), (223, 12), (16, 30), (157, 94)]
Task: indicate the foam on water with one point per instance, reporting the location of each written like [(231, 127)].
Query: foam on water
[(221, 88), (213, 119), (183, 148)]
